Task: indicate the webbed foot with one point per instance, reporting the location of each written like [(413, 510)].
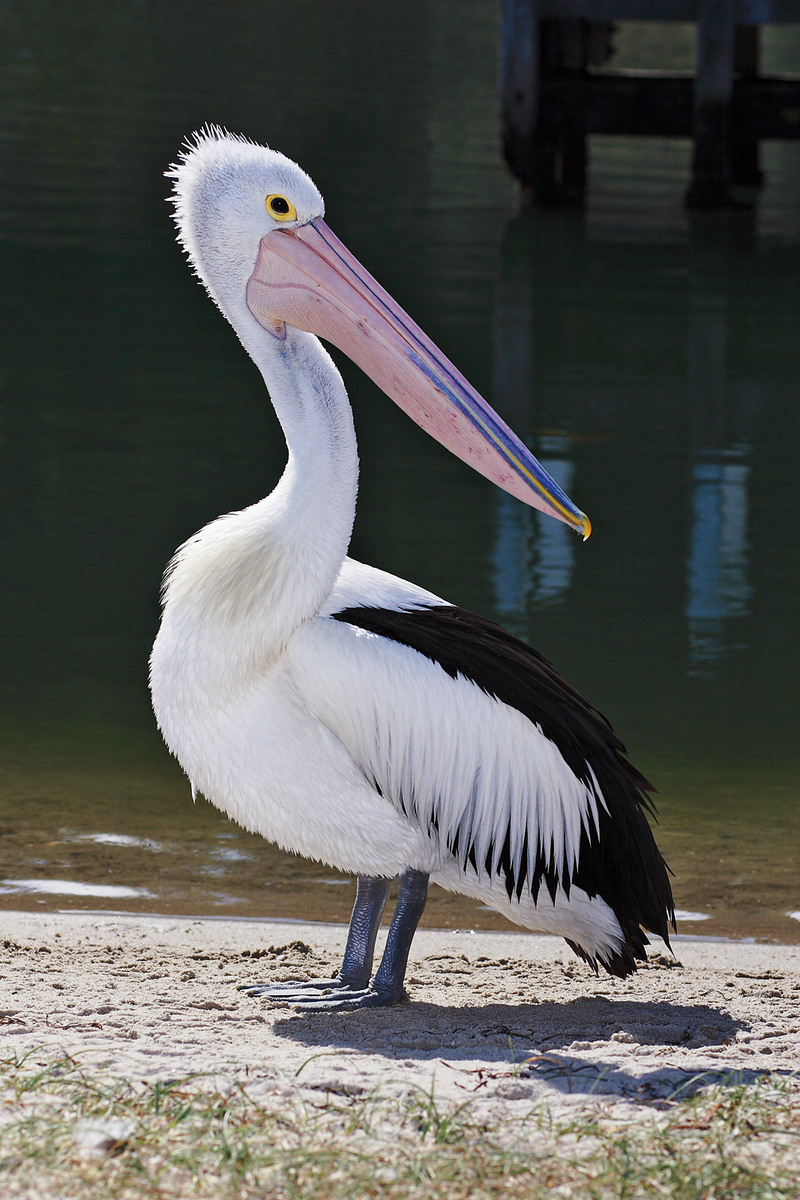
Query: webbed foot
[(346, 999), (292, 990), (351, 988)]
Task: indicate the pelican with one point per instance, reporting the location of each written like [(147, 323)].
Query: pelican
[(343, 713)]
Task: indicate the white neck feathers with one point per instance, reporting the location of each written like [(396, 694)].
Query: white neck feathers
[(236, 591)]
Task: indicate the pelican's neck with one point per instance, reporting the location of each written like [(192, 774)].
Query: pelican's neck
[(245, 582), (314, 502)]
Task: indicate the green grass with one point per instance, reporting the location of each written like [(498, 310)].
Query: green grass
[(194, 1138)]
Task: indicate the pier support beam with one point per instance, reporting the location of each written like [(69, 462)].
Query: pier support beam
[(547, 159), (713, 91), (744, 150), (519, 75), (556, 92)]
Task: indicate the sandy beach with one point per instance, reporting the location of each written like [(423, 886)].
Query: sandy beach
[(499, 1018)]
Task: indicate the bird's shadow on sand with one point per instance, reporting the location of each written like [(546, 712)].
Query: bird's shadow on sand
[(527, 1042)]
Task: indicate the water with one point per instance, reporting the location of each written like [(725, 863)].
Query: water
[(652, 360)]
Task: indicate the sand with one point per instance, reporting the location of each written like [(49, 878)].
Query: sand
[(503, 1018)]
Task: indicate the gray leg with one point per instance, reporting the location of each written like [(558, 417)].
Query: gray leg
[(411, 897), (371, 897), (354, 974), (387, 986)]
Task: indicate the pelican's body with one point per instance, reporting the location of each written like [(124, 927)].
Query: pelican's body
[(345, 714)]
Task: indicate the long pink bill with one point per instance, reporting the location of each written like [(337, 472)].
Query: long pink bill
[(307, 278)]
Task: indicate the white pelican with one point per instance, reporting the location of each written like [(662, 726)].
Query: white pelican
[(348, 715)]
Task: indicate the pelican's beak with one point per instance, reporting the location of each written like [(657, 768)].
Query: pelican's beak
[(305, 277)]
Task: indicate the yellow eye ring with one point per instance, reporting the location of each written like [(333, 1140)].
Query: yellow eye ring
[(280, 208)]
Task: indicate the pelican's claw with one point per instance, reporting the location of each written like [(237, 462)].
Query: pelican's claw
[(292, 989), (323, 995), (348, 999)]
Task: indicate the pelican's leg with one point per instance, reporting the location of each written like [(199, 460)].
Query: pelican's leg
[(387, 986), (356, 968)]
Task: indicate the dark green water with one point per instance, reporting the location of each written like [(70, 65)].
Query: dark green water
[(652, 360)]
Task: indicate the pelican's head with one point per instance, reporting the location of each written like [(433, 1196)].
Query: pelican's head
[(251, 222), (228, 194)]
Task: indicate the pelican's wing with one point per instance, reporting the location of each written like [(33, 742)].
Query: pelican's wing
[(361, 586), (477, 740)]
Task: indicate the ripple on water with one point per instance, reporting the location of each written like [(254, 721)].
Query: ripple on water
[(70, 887)]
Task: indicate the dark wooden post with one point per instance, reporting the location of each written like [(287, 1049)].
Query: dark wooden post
[(548, 160), (713, 87), (519, 74), (745, 164)]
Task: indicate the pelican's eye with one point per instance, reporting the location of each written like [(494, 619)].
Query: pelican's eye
[(280, 208)]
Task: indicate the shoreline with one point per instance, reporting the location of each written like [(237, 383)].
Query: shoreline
[(233, 919), (502, 1018)]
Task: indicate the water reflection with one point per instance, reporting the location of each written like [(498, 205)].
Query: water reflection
[(721, 409), (682, 915), (533, 556), (117, 839), (717, 565), (71, 887)]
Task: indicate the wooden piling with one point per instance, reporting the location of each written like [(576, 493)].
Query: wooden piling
[(713, 90), (555, 96), (744, 151), (519, 73)]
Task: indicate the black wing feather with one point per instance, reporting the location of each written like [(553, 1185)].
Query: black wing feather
[(620, 862)]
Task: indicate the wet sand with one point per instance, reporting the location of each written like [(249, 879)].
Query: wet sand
[(503, 1018)]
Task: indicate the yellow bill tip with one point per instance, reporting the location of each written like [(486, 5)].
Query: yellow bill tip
[(585, 526)]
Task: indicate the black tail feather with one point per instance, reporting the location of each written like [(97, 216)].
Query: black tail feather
[(619, 861)]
